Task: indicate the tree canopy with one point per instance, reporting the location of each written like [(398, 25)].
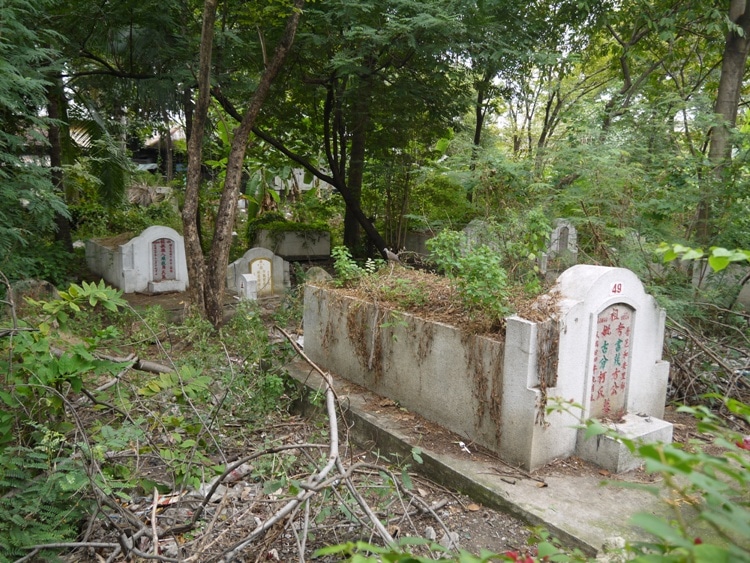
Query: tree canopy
[(629, 119)]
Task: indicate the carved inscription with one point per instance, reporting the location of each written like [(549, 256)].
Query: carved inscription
[(163, 257), (609, 377), (262, 270)]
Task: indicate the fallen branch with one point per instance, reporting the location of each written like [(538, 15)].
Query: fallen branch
[(317, 481)]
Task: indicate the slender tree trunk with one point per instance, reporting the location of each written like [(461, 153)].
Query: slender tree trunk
[(57, 119), (222, 241), (352, 238), (727, 102), (168, 150), (195, 259)]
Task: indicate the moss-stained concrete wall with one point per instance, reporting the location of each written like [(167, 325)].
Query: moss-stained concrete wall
[(430, 368)]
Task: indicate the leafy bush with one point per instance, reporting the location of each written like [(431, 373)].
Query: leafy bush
[(38, 379), (40, 497), (41, 260), (347, 270), (477, 272), (92, 219)]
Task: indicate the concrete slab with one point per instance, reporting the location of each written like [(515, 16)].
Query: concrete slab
[(582, 510), (612, 454)]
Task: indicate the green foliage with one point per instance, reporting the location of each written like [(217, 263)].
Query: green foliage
[(346, 268), (41, 485), (477, 272), (437, 202), (41, 497), (718, 258), (42, 260), (38, 380), (277, 224), (92, 219), (257, 223), (716, 486), (184, 385), (405, 293), (28, 203), (404, 551)]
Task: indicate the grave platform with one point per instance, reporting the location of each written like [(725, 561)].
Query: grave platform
[(614, 456), (579, 508)]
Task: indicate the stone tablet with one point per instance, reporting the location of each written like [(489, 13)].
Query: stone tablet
[(609, 373), (261, 269)]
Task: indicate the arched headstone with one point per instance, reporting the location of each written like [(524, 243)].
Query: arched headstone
[(609, 364), (271, 272)]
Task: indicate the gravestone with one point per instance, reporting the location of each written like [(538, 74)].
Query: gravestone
[(609, 338), (562, 249), (479, 232), (271, 272), (152, 262), (316, 274)]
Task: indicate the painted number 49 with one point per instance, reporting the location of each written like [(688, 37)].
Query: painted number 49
[(617, 288)]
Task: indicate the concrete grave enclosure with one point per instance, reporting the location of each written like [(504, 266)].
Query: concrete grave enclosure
[(601, 351), (152, 262), (296, 245)]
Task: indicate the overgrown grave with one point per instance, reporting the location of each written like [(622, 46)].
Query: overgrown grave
[(594, 342)]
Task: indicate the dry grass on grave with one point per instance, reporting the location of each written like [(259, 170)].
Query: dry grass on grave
[(435, 298)]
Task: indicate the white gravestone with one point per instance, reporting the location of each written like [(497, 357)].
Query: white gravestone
[(152, 262), (271, 272), (562, 247), (609, 362)]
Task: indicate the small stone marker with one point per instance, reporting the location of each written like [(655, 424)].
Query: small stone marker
[(317, 274), (562, 248), (563, 241), (248, 287)]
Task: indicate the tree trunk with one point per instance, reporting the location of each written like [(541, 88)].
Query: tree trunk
[(193, 251), (57, 118), (222, 241), (352, 238), (727, 102)]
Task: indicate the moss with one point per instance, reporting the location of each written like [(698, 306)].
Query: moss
[(276, 224)]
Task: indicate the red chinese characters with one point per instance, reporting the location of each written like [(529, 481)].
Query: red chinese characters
[(162, 251), (609, 368)]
